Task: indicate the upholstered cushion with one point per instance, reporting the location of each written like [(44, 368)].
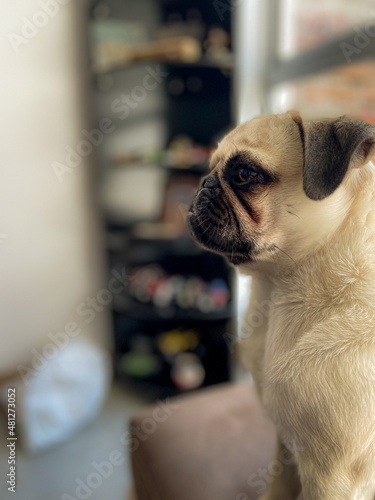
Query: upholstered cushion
[(216, 444)]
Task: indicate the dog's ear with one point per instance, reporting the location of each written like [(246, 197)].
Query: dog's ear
[(331, 148)]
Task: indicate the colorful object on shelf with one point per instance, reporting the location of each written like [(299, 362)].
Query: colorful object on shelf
[(219, 293), (182, 152), (108, 36), (217, 43), (140, 361), (176, 341), (177, 26), (140, 364), (118, 44), (151, 284), (188, 372)]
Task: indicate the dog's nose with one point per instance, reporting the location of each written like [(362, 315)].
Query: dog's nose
[(211, 181)]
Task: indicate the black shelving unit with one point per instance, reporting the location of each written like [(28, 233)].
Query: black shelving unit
[(147, 336)]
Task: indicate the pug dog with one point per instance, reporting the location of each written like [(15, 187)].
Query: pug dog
[(291, 203)]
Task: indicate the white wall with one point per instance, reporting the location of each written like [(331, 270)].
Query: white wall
[(50, 260)]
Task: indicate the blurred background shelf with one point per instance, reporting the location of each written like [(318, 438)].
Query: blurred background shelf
[(227, 63), (142, 312), (166, 358), (149, 169)]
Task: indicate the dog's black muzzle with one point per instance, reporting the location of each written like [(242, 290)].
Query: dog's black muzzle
[(214, 224)]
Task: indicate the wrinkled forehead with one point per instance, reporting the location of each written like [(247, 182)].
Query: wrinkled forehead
[(265, 139)]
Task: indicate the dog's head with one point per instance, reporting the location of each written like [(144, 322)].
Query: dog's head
[(278, 186)]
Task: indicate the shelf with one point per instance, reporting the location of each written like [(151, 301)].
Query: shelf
[(149, 313), (192, 169), (196, 169), (327, 56), (150, 389), (204, 62), (201, 111), (182, 247)]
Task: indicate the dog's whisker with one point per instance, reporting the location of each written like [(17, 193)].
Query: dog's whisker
[(283, 251), (292, 213)]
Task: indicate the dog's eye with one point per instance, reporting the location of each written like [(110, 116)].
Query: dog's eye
[(245, 175), (243, 172)]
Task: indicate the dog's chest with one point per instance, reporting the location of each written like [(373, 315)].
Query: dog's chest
[(276, 318), (288, 318), (272, 324)]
